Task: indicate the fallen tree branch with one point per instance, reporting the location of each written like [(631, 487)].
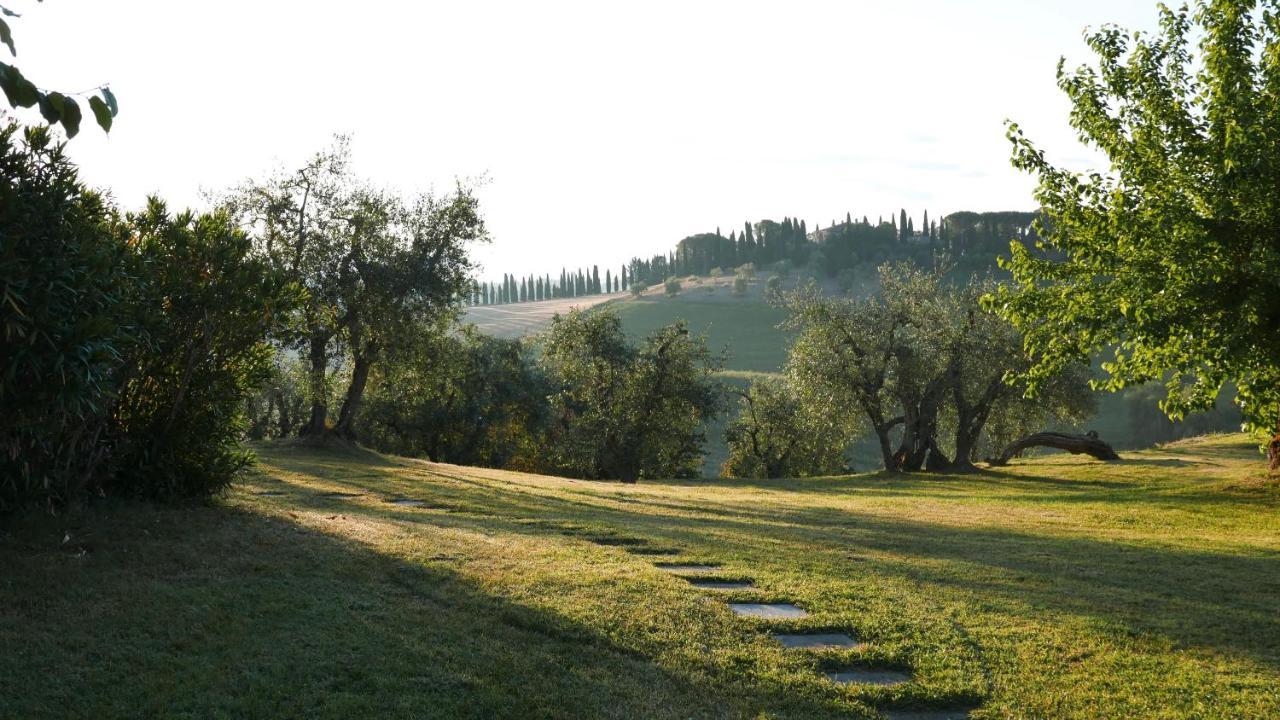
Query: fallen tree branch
[(1087, 444)]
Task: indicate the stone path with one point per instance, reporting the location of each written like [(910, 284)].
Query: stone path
[(819, 641)]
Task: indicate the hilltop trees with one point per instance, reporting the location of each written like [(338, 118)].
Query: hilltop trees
[(1168, 262)]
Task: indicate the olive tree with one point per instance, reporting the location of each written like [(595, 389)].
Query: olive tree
[(625, 412), (1166, 263), (778, 434), (918, 359), (373, 265)]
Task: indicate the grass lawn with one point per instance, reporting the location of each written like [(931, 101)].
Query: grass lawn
[(1056, 588)]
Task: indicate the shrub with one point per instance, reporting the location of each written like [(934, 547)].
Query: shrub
[(715, 272), (638, 288), (62, 280), (201, 310), (131, 344), (746, 270), (739, 285), (672, 287)]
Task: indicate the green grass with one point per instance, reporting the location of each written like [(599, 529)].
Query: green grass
[(744, 329), (1055, 588)]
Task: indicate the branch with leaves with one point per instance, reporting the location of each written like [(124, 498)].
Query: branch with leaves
[(57, 108)]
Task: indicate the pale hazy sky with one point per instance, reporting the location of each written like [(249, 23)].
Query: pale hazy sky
[(605, 129)]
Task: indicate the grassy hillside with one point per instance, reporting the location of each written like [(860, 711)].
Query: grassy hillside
[(744, 330), (1058, 588), (521, 319)]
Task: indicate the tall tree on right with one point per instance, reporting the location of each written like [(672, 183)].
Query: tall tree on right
[(1166, 264)]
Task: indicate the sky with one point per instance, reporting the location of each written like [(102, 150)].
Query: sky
[(597, 130)]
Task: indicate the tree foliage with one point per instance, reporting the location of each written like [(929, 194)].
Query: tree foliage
[(130, 343), (918, 359), (626, 412), (374, 266), (1166, 264), (778, 433), (463, 398)]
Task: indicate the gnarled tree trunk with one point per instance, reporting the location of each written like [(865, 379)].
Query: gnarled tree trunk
[(319, 357), (1087, 444)]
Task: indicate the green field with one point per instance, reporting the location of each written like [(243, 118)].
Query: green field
[(746, 331), (1056, 588)]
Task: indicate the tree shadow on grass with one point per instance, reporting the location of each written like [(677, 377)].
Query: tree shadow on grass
[(217, 611), (1222, 600)]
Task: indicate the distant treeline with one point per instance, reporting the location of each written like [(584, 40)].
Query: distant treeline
[(841, 246), (532, 288)]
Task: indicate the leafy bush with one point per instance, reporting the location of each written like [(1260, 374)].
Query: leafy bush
[(739, 285), (62, 280), (672, 287), (638, 288), (746, 270), (201, 310), (131, 343)]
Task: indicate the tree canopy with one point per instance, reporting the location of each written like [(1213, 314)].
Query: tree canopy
[(1166, 264)]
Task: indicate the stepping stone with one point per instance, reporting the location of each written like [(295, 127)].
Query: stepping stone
[(721, 584), (778, 611), (927, 714), (817, 641), (340, 495), (270, 493), (407, 502), (869, 677), (689, 568)]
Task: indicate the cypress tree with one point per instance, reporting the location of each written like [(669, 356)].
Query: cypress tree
[(848, 218), (608, 282), (902, 225), (595, 279)]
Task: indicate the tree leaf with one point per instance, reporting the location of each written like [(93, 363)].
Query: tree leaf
[(6, 37), (101, 113), (20, 91), (70, 116), (52, 114), (111, 101)]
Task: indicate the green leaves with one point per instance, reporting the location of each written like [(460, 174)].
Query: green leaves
[(101, 113), (55, 107), (6, 37), (1168, 257), (19, 91)]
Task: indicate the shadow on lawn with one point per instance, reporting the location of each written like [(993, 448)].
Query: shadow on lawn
[(1195, 598), (217, 611)]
